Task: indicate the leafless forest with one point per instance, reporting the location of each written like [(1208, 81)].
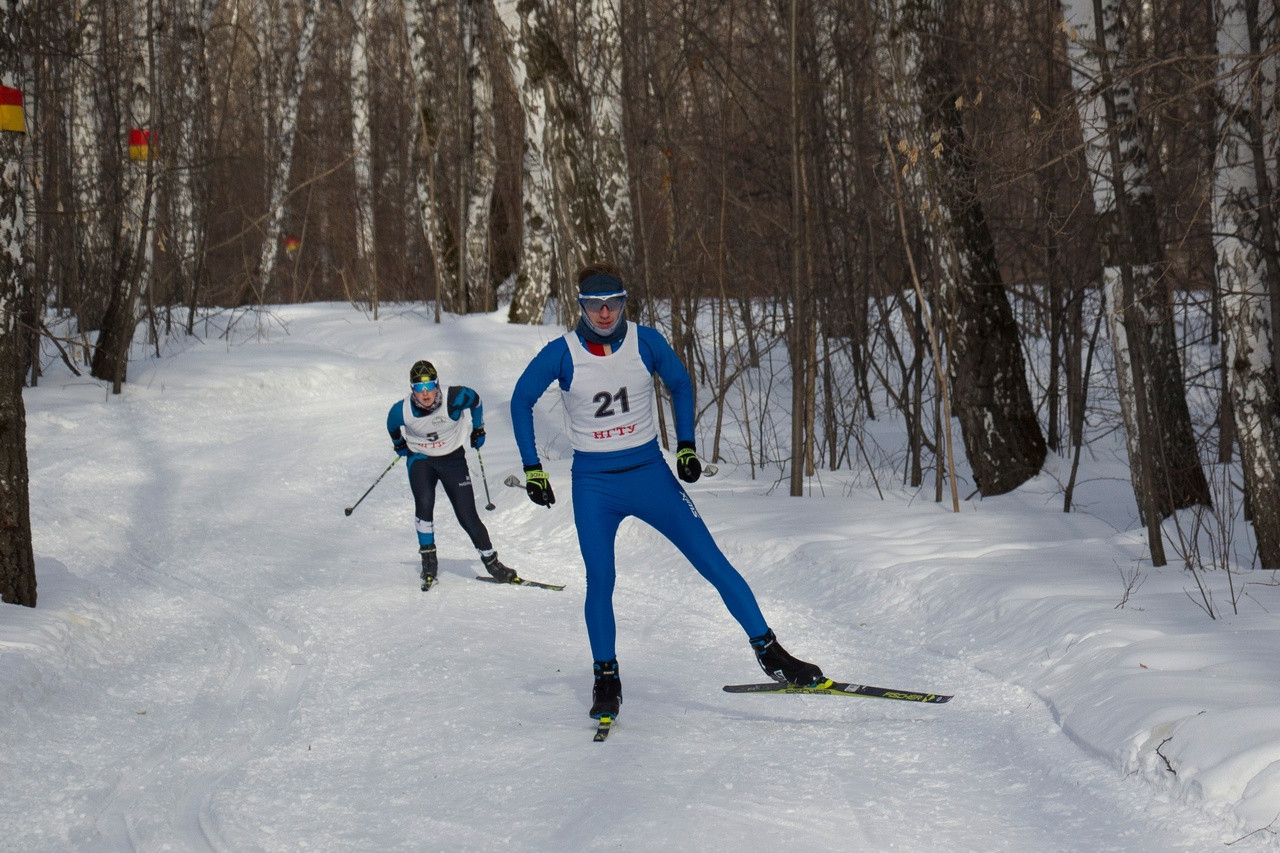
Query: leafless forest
[(903, 195)]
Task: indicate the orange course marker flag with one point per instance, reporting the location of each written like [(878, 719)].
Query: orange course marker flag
[(139, 144), (11, 117)]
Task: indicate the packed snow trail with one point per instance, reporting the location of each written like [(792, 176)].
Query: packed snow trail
[(228, 663)]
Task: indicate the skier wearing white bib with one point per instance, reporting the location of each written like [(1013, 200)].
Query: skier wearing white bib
[(427, 428), (604, 368)]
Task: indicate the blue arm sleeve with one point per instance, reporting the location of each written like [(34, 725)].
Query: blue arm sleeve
[(462, 398), (660, 358), (395, 421), (552, 363)]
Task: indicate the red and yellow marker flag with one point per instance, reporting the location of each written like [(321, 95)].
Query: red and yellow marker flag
[(139, 144), (11, 117), (292, 244)]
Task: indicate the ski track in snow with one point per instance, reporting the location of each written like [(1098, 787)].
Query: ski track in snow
[(257, 672)]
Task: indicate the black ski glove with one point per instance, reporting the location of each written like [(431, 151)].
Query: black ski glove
[(538, 485), (477, 437), (687, 464)]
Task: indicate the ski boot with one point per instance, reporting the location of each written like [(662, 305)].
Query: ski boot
[(606, 695), (430, 566), (779, 665), (500, 572)]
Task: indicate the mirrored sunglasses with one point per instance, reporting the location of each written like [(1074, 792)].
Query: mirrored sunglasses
[(419, 387), (595, 304)]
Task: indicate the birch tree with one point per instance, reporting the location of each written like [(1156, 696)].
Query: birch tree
[(1248, 251), (94, 171), (131, 275), (602, 66), (584, 147), (362, 23), (480, 160), (17, 559), (923, 103), (284, 96), (522, 29), (185, 125), (419, 24), (1164, 461)]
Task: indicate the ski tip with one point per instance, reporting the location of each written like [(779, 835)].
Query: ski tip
[(604, 724)]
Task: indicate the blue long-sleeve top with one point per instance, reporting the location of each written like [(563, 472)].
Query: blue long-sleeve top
[(553, 363)]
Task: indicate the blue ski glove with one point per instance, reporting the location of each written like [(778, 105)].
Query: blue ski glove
[(477, 437), (687, 464), (538, 486)]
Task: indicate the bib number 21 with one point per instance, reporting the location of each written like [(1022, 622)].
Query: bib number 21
[(607, 402)]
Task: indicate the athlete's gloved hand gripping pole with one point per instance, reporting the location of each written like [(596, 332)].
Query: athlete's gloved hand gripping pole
[(538, 486), (688, 466)]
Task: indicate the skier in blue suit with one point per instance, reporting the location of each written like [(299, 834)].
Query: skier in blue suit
[(427, 429), (605, 368)]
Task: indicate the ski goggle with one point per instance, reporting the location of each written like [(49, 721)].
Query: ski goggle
[(419, 387), (595, 304)]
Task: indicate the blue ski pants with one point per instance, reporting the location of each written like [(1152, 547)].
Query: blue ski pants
[(651, 493)]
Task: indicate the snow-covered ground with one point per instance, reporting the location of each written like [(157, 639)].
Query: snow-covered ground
[(221, 660)]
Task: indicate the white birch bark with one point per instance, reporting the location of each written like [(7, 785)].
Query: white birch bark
[(282, 122), (418, 23), (564, 150), (1087, 73), (88, 130), (1163, 457), (533, 281), (603, 67), (188, 151), (362, 23), (481, 173), (583, 144), (138, 232), (1244, 183)]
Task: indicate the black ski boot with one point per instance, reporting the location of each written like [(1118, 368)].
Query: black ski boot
[(430, 566), (779, 665), (606, 696), (500, 572)]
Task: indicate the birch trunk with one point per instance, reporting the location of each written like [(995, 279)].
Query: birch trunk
[(1164, 460), (1002, 437), (132, 274), (533, 281), (1248, 253), (91, 122), (17, 558), (362, 23), (583, 145), (603, 65), (481, 161), (418, 23), (188, 196), (282, 124)]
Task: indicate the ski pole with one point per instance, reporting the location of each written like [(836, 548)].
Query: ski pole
[(489, 506), (352, 508)]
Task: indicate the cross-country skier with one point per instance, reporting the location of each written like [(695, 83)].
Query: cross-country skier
[(428, 430), (604, 368)]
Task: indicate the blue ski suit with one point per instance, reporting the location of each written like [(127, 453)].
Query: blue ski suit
[(618, 468)]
